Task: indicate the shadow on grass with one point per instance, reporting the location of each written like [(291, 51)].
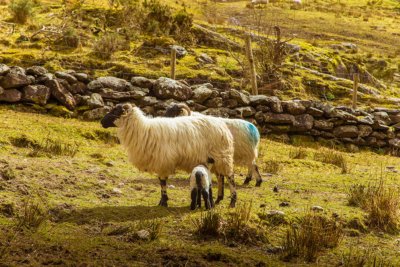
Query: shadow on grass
[(120, 214)]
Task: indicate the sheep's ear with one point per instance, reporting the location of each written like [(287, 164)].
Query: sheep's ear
[(126, 107)]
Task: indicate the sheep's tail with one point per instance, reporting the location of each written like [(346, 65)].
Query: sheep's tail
[(199, 176)]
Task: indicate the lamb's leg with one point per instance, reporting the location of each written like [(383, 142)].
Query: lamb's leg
[(194, 199), (206, 198), (232, 187), (211, 197), (198, 198), (258, 175), (221, 184), (249, 174), (164, 196)]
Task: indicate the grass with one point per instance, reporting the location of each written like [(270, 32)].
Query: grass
[(334, 158), (81, 205)]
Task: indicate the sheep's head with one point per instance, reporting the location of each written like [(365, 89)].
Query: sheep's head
[(111, 118), (178, 110)]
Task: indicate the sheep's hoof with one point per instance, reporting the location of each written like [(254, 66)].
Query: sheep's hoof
[(163, 202), (247, 181), (258, 184), (219, 199), (233, 200)]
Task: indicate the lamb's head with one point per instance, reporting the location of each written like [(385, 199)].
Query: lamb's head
[(178, 110), (112, 118)]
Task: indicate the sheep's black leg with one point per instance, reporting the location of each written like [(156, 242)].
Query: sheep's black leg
[(193, 196), (221, 184), (259, 178), (206, 198), (198, 198), (164, 196), (211, 197), (232, 187)]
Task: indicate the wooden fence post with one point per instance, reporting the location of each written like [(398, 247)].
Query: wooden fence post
[(253, 74), (173, 63), (356, 78)]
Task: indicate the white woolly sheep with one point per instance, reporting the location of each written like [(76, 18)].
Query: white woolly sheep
[(201, 186), (164, 145), (246, 140)]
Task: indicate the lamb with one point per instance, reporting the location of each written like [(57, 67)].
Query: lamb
[(164, 145), (201, 186), (246, 140)]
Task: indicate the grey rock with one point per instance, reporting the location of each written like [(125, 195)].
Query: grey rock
[(382, 117), (142, 82), (1, 90), (4, 69), (369, 120), (78, 88), (259, 100), (95, 101), (143, 234), (166, 88), (36, 71), (201, 94), (246, 111), (395, 142), (59, 92), (115, 95), (215, 102), (113, 83), (148, 101), (205, 59), (275, 104), (219, 112), (66, 76), (14, 80), (302, 123), (208, 85), (96, 114), (293, 107), (279, 118), (323, 125), (42, 79), (232, 103), (364, 130), (379, 135), (82, 77), (10, 96), (180, 51), (315, 112), (240, 97), (346, 131), (38, 94), (317, 208)]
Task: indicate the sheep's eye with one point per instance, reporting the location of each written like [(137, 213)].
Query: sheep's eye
[(180, 111)]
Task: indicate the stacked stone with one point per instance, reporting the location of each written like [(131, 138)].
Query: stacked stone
[(92, 99)]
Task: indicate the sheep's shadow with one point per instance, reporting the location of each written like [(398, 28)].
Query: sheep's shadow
[(121, 214)]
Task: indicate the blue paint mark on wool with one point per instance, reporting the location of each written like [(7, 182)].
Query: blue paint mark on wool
[(254, 135)]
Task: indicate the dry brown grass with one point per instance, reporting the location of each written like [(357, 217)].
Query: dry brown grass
[(309, 235), (209, 224), (334, 158), (298, 153), (272, 166)]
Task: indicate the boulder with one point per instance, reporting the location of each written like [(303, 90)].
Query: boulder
[(205, 59), (180, 51), (38, 94), (346, 131), (256, 100), (293, 107), (279, 118), (395, 118), (245, 112), (82, 77), (148, 101), (315, 112), (220, 112), (66, 76), (302, 123), (107, 93), (42, 79), (382, 117), (379, 135), (240, 97), (323, 125), (364, 130), (112, 83), (262, 108), (10, 96), (201, 94), (142, 82), (14, 80), (341, 114), (165, 88), (395, 142), (4, 69), (259, 117), (215, 102), (368, 120), (59, 92), (36, 71), (78, 88), (95, 101), (275, 104), (231, 103), (96, 114)]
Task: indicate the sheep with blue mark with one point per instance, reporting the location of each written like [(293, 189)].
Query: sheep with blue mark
[(246, 139), (164, 145), (201, 186)]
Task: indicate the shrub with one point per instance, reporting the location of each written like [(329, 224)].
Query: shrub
[(334, 158), (298, 153), (158, 19), (209, 224), (309, 235), (21, 10), (70, 38), (107, 45)]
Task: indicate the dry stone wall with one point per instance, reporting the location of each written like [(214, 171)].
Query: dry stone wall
[(90, 99)]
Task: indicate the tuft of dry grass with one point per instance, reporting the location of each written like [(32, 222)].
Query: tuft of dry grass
[(209, 224), (361, 258), (272, 166), (32, 216), (334, 158), (357, 195), (21, 10), (153, 230), (298, 153), (309, 235)]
